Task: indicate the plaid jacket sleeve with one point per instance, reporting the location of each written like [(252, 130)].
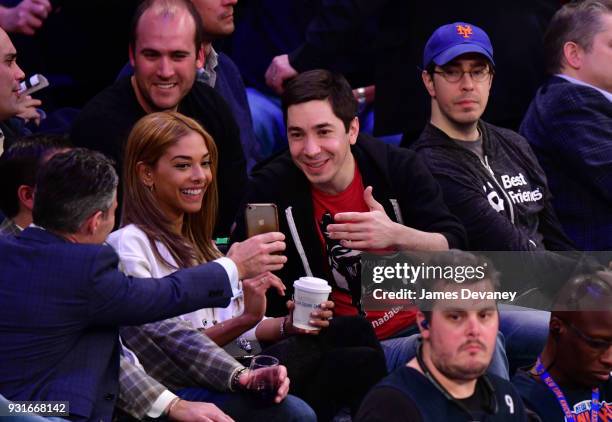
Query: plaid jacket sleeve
[(179, 356), (137, 390)]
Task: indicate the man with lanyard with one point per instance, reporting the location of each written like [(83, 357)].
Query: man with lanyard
[(446, 381), (571, 379)]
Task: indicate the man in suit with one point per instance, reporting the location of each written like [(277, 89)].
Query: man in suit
[(569, 122), (448, 380), (62, 297)]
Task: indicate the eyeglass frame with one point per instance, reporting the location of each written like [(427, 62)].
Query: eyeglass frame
[(593, 343), (487, 72)]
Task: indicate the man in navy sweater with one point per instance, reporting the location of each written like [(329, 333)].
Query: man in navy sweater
[(222, 74), (446, 381)]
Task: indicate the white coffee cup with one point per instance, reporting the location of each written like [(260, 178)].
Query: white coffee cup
[(309, 293)]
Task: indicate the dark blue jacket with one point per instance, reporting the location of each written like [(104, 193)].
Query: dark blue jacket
[(569, 127), (60, 307), (230, 86)]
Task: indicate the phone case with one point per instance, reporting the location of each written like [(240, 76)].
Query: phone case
[(261, 218)]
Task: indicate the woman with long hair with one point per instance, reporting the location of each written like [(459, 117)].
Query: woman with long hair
[(169, 212)]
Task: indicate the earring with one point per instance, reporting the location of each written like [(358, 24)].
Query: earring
[(151, 188)]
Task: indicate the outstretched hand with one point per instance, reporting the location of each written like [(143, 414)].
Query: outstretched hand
[(365, 230)]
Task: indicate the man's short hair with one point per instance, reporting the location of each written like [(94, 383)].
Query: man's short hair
[(457, 261), (20, 163), (322, 84), (168, 7), (71, 187), (577, 21)]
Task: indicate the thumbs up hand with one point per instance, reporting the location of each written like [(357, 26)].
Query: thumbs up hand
[(372, 203), (371, 230)]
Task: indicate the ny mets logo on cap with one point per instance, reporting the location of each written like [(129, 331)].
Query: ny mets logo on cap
[(464, 30), (454, 39)]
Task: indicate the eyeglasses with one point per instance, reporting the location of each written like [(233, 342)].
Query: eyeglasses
[(455, 75), (594, 343)]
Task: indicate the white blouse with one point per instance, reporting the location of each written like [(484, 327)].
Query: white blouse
[(138, 259)]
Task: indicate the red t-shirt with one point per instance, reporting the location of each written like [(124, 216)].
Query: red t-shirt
[(344, 262)]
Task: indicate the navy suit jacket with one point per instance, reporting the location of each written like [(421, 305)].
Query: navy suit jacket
[(60, 307), (569, 127)]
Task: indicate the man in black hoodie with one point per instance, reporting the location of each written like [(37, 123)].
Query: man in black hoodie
[(489, 176), (340, 193)]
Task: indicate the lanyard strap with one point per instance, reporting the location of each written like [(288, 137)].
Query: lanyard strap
[(552, 386)]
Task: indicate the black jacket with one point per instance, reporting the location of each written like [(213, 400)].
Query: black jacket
[(503, 202), (394, 173)]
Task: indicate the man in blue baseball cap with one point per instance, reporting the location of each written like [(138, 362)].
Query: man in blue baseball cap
[(489, 176), (458, 72)]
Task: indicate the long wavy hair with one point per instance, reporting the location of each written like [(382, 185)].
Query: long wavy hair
[(148, 141)]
